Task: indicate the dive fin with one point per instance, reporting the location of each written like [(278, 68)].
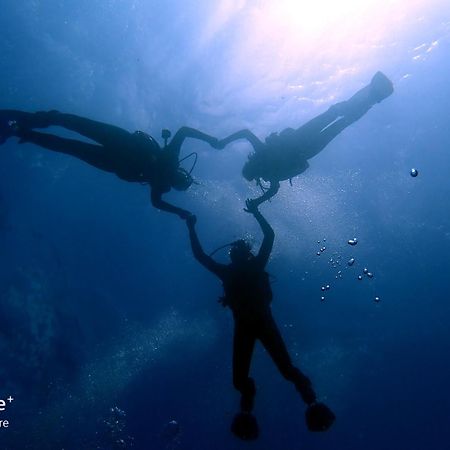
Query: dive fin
[(381, 87)]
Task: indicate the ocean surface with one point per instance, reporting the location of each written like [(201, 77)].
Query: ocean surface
[(111, 336)]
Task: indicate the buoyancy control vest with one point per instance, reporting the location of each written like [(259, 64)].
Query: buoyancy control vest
[(247, 291)]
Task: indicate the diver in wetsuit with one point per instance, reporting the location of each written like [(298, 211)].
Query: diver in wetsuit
[(135, 157), (248, 294), (285, 155)]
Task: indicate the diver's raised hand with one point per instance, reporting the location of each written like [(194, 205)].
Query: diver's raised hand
[(218, 145), (251, 206)]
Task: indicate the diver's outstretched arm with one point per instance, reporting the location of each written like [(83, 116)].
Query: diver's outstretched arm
[(243, 134), (274, 187), (186, 132), (158, 202), (199, 254), (269, 235)]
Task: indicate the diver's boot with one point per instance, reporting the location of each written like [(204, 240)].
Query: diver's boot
[(8, 128), (359, 103), (319, 417), (381, 87), (245, 426), (18, 123)]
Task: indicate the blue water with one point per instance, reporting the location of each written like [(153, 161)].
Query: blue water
[(102, 305)]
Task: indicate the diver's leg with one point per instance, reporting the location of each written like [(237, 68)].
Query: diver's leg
[(330, 132), (318, 123), (244, 424), (314, 135), (243, 345), (14, 115), (354, 108), (273, 342), (12, 119), (100, 132), (89, 153), (320, 131), (318, 416)]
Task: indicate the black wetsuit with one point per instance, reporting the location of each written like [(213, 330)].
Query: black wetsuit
[(134, 157), (285, 155), (248, 294), (130, 156)]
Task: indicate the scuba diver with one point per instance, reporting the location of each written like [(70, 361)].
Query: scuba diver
[(135, 157), (248, 294), (285, 155)]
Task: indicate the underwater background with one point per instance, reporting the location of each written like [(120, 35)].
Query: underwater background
[(110, 330)]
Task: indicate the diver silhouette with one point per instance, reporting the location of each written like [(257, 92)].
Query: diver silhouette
[(285, 155), (248, 294), (135, 157)]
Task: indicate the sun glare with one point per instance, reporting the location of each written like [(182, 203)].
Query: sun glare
[(277, 43), (345, 30), (315, 17)]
